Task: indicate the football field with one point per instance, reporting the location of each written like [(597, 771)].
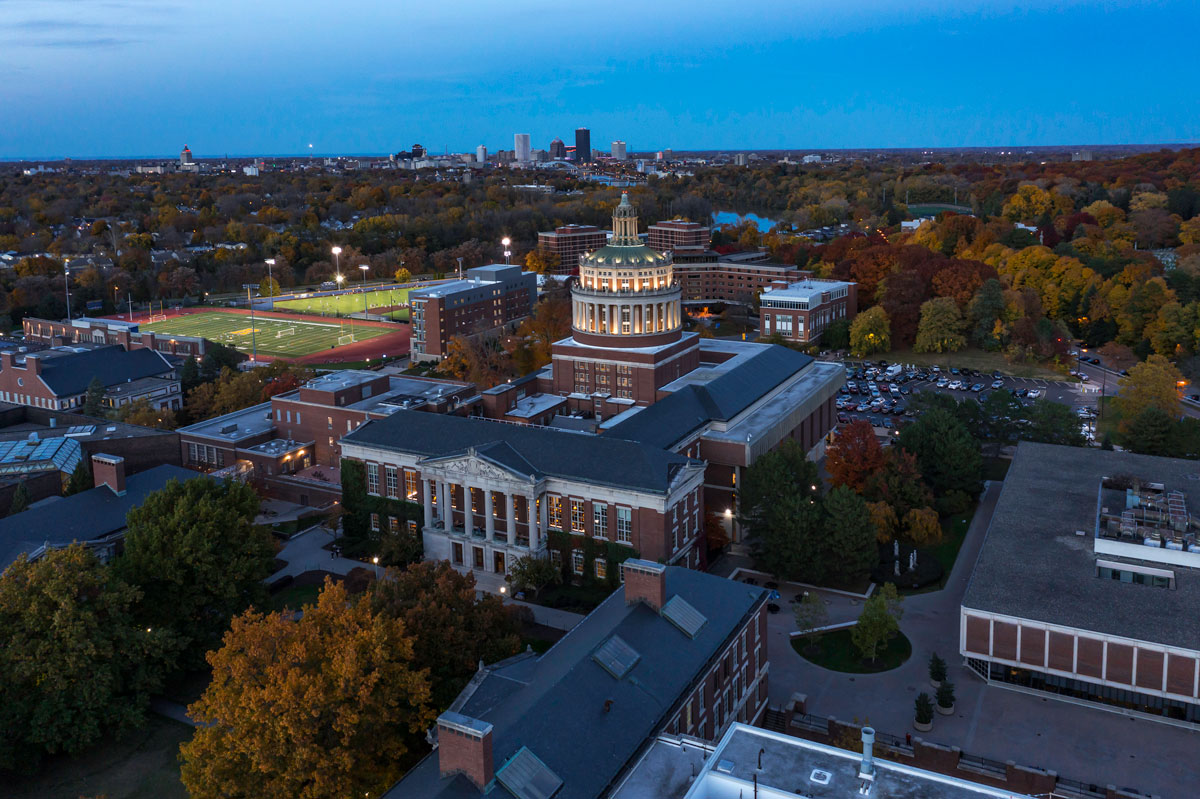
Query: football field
[(346, 304), (281, 338)]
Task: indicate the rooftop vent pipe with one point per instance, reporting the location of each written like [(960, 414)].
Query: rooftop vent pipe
[(868, 762)]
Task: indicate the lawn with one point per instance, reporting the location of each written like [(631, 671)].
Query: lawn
[(282, 338), (384, 302), (141, 764), (835, 651), (576, 598), (974, 359), (954, 532), (294, 597), (932, 209)]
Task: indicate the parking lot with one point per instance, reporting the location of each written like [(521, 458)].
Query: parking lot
[(880, 393)]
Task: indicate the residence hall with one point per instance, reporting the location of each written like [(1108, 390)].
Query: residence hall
[(1088, 582), (673, 651), (801, 311), (488, 299), (85, 330), (58, 378)]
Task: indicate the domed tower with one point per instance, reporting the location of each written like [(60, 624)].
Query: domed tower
[(626, 295)]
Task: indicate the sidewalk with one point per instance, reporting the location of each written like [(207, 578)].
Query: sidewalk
[(305, 552), (549, 617)]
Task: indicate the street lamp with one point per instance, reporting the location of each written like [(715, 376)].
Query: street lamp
[(507, 242), (365, 268), (337, 263), (375, 560), (67, 288)]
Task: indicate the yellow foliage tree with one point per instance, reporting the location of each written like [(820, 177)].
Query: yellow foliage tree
[(1153, 383), (921, 527), (320, 706), (884, 519), (871, 332)]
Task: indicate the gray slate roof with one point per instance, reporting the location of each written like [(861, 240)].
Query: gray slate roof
[(68, 375), (86, 516), (554, 705), (1032, 564), (674, 418), (526, 449)]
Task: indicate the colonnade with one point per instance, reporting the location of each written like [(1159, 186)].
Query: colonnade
[(438, 509), (608, 317)]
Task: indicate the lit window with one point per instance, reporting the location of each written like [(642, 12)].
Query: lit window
[(373, 478), (556, 512), (390, 473), (601, 568), (577, 561), (375, 522), (599, 520), (410, 485), (576, 516)]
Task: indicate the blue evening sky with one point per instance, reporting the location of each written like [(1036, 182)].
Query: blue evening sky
[(144, 77)]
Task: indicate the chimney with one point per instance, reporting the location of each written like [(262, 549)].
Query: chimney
[(465, 747), (109, 470), (645, 581), (6, 360), (867, 770), (34, 364)]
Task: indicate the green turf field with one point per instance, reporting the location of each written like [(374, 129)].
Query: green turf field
[(284, 338), (346, 304)]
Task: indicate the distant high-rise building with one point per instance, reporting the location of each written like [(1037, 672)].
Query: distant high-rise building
[(539, 155), (739, 159), (618, 150), (558, 149), (521, 146), (583, 145), (185, 157), (481, 154), (418, 151), (664, 155)]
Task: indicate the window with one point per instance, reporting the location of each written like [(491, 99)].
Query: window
[(624, 525), (375, 522), (601, 568), (373, 478), (556, 558), (556, 512), (1164, 579), (410, 485), (329, 423), (390, 472), (576, 516), (599, 520), (393, 525), (577, 561)]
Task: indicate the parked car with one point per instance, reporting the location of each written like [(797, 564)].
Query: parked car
[(1035, 393), (997, 384), (1084, 378), (977, 387), (942, 382), (1020, 392), (843, 418)]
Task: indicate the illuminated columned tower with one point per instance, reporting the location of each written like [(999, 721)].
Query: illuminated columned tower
[(626, 295)]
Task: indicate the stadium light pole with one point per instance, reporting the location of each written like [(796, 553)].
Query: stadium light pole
[(253, 336), (507, 242), (67, 288), (270, 262), (365, 268), (337, 267)]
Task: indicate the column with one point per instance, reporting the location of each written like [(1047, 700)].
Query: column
[(443, 507), (532, 523), (428, 502), (489, 521), (543, 517)]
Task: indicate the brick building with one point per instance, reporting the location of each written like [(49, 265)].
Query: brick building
[(1088, 581), (673, 651), (493, 492), (569, 242), (489, 298), (678, 235), (290, 444), (802, 310), (58, 378), (708, 278), (111, 332)]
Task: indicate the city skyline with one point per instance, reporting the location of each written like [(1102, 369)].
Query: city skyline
[(275, 79)]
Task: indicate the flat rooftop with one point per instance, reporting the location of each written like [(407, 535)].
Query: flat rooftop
[(793, 767), (1039, 559), (234, 427), (805, 290)]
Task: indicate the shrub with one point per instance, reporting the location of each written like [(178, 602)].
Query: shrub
[(937, 668), (945, 694), (953, 502), (924, 708)]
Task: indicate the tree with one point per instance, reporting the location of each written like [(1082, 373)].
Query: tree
[(142, 413), (922, 528), (1150, 433), (777, 505), (854, 456), (1051, 422), (20, 499), (336, 686), (811, 616), (269, 287), (941, 326), (1117, 356), (945, 694), (189, 374), (403, 275), (789, 544), (540, 261), (849, 548), (80, 479), (199, 559), (870, 332), (937, 668), (93, 400), (836, 335), (885, 521), (531, 573), (1153, 383), (923, 707), (452, 630), (75, 663), (878, 623), (947, 455), (899, 484)]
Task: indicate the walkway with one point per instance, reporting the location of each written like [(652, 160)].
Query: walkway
[(1082, 743), (305, 552), (550, 617)]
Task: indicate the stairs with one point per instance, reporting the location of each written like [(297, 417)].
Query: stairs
[(774, 720)]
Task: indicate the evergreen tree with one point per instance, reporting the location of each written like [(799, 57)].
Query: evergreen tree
[(850, 550), (947, 455), (1149, 433), (80, 480), (20, 499), (93, 400), (189, 374)]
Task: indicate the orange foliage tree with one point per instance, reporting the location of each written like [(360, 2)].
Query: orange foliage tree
[(854, 456)]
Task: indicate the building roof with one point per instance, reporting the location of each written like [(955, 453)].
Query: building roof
[(69, 374), (86, 516), (528, 450), (235, 426), (34, 454), (1033, 564), (675, 417), (639, 256), (555, 704), (807, 290)]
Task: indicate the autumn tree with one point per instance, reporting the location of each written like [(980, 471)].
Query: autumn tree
[(142, 413), (194, 551), (403, 275), (854, 456), (76, 664), (870, 332), (337, 686), (922, 528), (1117, 356), (269, 287), (1153, 383), (883, 517), (452, 629), (941, 326), (899, 484), (541, 261), (531, 573)]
